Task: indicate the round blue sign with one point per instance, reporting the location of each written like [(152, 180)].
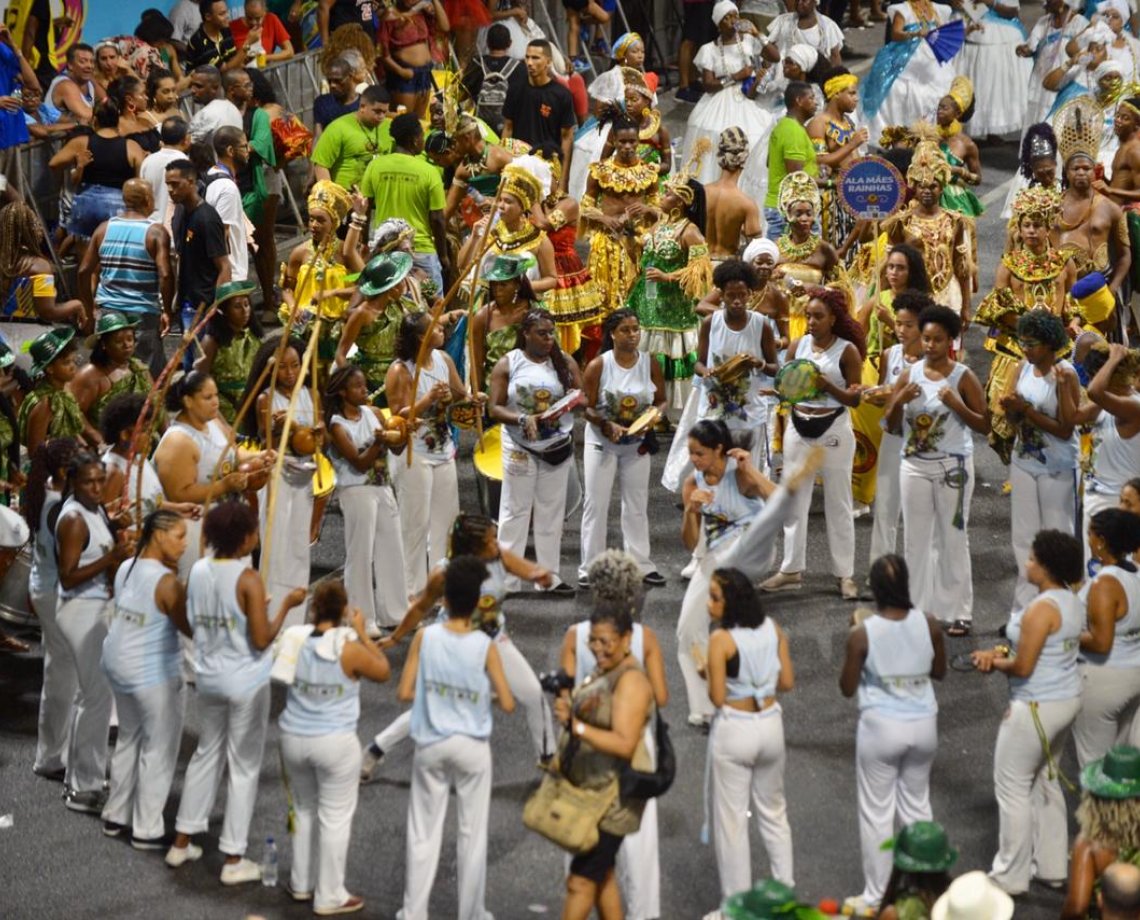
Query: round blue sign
[(871, 189)]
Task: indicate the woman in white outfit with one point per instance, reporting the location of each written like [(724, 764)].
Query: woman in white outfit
[(88, 555), (374, 549), (620, 384), (143, 661), (748, 663), (1124, 49), (1044, 699), (891, 658), (1110, 642), (1114, 414), (615, 580), (429, 487), (1044, 463), (990, 59), (228, 611), (320, 750), (722, 496), (836, 343), (936, 404), (476, 535), (46, 480), (537, 451), (1046, 44)]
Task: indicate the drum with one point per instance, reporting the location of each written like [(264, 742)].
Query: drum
[(798, 381), (14, 604), (324, 478), (488, 458)]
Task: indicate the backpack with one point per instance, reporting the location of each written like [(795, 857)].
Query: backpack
[(493, 94)]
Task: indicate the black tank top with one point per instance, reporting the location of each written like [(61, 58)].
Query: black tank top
[(109, 164)]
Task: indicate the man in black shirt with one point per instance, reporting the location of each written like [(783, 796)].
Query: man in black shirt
[(199, 240), (341, 99), (541, 111), (213, 44), (332, 14)]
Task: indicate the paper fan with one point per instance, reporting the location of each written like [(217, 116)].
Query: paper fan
[(946, 41)]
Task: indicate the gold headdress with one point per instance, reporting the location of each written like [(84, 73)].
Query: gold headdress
[(522, 185), (331, 198), (1038, 202), (928, 165), (796, 187), (962, 92), (678, 182), (1078, 127), (635, 79), (836, 85)]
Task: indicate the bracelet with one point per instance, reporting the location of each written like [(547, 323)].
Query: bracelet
[(459, 183), (522, 420)]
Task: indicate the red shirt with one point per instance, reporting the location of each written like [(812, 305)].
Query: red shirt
[(577, 86), (274, 35)]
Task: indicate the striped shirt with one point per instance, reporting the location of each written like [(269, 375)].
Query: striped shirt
[(128, 276)]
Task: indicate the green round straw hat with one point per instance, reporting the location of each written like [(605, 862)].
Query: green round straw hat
[(1114, 776), (384, 272)]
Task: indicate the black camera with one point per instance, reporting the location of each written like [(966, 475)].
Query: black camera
[(554, 682)]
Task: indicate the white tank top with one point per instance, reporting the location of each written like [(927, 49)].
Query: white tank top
[(729, 510), (896, 675), (533, 387), (99, 542), (1114, 460), (296, 469), (225, 662), (141, 649), (1038, 451), (453, 692), (758, 651), (623, 394), (738, 403), (211, 444), (830, 366), (1055, 676), (44, 575), (931, 430), (151, 487), (361, 433), (584, 660), (895, 360), (1125, 651), (433, 440)]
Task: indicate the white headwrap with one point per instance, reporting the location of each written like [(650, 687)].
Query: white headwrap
[(722, 9), (761, 246), (804, 55), (1119, 5), (1098, 33), (537, 167), (1108, 68)]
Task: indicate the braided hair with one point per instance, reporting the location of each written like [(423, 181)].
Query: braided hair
[(21, 237), (334, 390), (557, 356), (468, 535), (611, 323), (49, 458), (159, 520)]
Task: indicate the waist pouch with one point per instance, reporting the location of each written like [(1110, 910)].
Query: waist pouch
[(555, 454), (814, 426)]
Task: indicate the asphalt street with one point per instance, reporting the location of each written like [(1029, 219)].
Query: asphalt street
[(54, 863)]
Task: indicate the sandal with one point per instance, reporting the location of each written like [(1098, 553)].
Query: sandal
[(959, 628)]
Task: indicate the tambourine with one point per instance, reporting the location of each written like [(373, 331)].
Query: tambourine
[(798, 381), (464, 414), (572, 400), (643, 423), (732, 369)]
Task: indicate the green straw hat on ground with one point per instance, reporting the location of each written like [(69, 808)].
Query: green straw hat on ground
[(1115, 776), (47, 346), (766, 899), (922, 847), (110, 321), (384, 272)]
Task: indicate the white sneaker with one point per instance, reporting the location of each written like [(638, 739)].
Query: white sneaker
[(244, 870), (374, 631), (177, 856), (368, 764), (690, 568)]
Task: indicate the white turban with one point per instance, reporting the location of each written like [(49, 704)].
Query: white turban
[(1119, 5), (761, 246), (804, 55), (1108, 68), (537, 167), (722, 9), (1098, 33)]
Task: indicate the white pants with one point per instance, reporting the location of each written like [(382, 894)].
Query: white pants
[(1092, 503), (324, 779), (838, 443), (465, 763), (693, 628), (374, 574), (288, 557), (194, 547), (938, 553), (146, 754), (1038, 501), (429, 502), (84, 626), (532, 485), (59, 687), (631, 469), (1033, 834), (1109, 698), (888, 497), (747, 754), (525, 688), (233, 729), (638, 868), (893, 758)]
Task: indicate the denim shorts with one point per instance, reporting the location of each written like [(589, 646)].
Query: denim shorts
[(420, 82), (93, 204)]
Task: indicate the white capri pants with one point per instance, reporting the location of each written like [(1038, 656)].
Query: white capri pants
[(83, 622), (288, 552), (146, 755), (888, 497), (746, 754), (429, 502), (1038, 501), (374, 568), (838, 443), (938, 553), (893, 758), (323, 774), (1033, 833), (631, 469), (233, 729), (59, 687), (1109, 698), (532, 485), (465, 763)]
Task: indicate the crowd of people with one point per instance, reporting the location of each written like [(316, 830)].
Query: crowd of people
[(502, 257)]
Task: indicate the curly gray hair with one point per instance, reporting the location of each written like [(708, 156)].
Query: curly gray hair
[(615, 577)]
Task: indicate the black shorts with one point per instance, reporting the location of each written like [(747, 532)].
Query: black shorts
[(597, 863), (697, 22)]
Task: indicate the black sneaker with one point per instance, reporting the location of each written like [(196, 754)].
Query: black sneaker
[(654, 579), (56, 776), (113, 828), (88, 803), (151, 843)]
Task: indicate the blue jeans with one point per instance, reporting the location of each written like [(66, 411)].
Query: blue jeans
[(429, 262)]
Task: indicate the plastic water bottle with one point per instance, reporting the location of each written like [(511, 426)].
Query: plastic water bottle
[(651, 291), (269, 864)]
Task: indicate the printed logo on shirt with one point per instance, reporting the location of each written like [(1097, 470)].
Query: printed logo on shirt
[(131, 617), (210, 621), (462, 694), (544, 110), (318, 691)]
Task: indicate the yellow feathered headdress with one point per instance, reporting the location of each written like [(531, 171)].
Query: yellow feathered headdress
[(796, 187)]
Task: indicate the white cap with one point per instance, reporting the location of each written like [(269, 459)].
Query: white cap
[(973, 897)]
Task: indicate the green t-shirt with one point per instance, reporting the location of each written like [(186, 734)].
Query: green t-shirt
[(346, 147), (401, 185), (789, 141)]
